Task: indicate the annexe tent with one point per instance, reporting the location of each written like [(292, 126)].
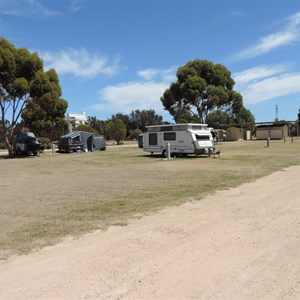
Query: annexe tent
[(99, 142), (81, 140)]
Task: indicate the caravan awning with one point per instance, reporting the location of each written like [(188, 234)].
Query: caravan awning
[(72, 134)]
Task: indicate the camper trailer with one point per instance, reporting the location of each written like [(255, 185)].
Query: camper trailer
[(25, 143), (183, 139), (81, 141)]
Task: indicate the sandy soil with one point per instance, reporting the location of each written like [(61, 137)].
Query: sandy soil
[(241, 243)]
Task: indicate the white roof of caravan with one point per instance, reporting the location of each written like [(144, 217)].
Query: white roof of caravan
[(177, 127)]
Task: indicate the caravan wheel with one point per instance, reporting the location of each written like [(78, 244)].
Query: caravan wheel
[(164, 153)]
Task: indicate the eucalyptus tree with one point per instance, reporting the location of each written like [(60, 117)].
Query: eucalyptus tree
[(202, 87), (45, 111), (116, 130), (139, 119), (17, 71), (98, 125), (20, 72)]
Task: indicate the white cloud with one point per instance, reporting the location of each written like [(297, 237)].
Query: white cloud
[(26, 8), (132, 95), (143, 94), (80, 63), (148, 74), (257, 73), (266, 82), (294, 21), (76, 5), (159, 74), (289, 35)]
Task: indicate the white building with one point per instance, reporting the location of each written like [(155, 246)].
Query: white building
[(76, 119)]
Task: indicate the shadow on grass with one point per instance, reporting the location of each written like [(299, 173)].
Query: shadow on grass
[(159, 156), (17, 157)]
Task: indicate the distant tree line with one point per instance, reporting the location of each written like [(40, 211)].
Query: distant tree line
[(122, 126), (119, 127)]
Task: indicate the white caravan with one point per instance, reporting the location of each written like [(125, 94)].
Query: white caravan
[(183, 139)]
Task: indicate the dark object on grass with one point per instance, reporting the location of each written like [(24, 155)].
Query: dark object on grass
[(25, 143), (81, 141)]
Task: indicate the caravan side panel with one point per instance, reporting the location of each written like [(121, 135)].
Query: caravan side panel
[(152, 142), (181, 142)]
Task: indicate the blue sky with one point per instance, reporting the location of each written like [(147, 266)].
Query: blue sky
[(120, 55)]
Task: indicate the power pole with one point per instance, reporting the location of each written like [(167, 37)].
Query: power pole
[(276, 118)]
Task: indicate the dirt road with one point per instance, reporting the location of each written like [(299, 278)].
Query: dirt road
[(241, 243)]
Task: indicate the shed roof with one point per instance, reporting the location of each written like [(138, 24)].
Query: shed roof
[(277, 124)]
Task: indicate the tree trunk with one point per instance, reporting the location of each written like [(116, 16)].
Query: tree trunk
[(200, 114), (9, 147)]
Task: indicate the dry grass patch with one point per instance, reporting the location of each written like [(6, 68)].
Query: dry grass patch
[(44, 199)]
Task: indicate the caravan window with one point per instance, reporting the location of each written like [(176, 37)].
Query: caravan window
[(170, 136), (152, 138), (202, 137)]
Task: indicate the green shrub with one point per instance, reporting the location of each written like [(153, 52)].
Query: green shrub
[(135, 133), (46, 143)]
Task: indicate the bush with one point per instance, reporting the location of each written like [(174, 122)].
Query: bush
[(2, 146), (86, 128), (46, 143), (135, 133)]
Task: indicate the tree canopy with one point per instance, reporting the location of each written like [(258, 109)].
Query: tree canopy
[(17, 71), (45, 111), (139, 119), (25, 85), (218, 117), (97, 125), (86, 128), (135, 124), (116, 130), (202, 87)]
